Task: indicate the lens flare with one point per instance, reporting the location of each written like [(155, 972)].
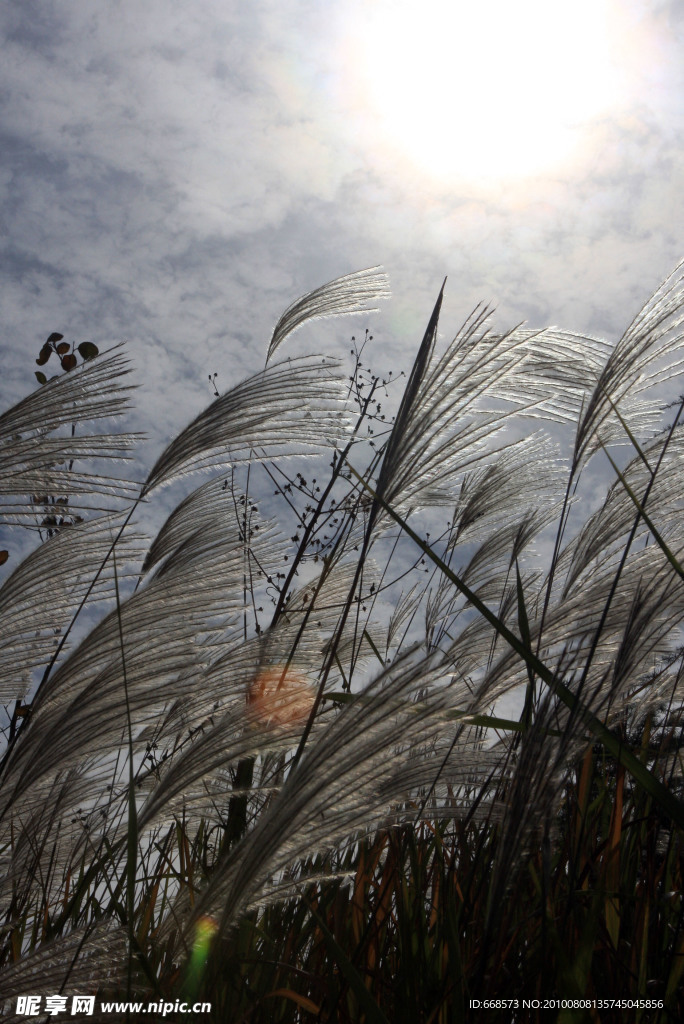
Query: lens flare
[(281, 696), (205, 930)]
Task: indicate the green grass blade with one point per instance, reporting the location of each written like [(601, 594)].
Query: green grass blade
[(464, 717), (524, 626), (374, 1014), (372, 646), (132, 825), (630, 435), (646, 779), (647, 519)]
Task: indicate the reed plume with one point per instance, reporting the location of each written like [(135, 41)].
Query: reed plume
[(295, 671)]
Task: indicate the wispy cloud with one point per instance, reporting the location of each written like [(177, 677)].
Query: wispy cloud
[(176, 176)]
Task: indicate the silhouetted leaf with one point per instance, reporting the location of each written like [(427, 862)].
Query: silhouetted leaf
[(40, 377), (88, 350), (45, 353), (68, 362), (54, 338), (63, 348), (4, 555)]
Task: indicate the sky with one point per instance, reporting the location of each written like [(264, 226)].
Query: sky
[(174, 175)]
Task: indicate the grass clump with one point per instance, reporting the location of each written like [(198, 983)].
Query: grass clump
[(276, 775)]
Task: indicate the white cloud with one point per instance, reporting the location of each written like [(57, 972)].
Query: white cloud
[(176, 175)]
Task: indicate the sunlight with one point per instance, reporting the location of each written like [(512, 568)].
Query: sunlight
[(490, 89)]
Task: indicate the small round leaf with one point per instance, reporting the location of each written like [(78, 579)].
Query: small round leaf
[(63, 348), (68, 362), (40, 377), (4, 555), (88, 350), (54, 338)]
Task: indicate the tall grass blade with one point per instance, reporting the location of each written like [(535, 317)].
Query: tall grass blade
[(669, 803), (660, 541)]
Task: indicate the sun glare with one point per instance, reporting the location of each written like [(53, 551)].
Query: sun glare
[(492, 88), (279, 696)]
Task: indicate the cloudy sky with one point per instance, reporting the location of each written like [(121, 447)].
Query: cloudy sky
[(175, 174)]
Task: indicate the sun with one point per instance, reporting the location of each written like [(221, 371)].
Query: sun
[(489, 89)]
